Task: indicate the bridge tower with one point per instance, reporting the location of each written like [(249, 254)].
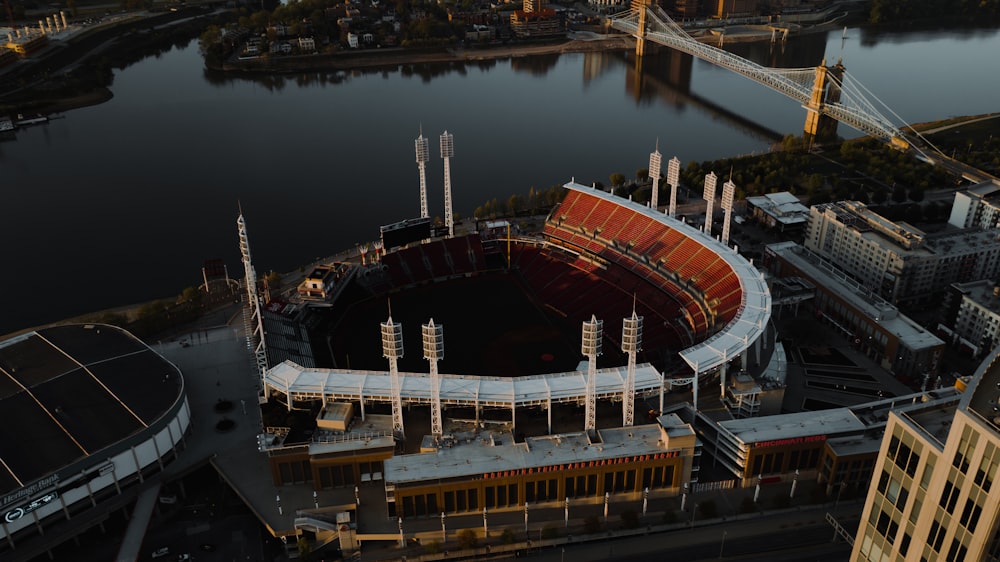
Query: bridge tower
[(819, 125), (641, 45)]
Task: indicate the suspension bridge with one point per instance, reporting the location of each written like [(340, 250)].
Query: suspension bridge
[(828, 94)]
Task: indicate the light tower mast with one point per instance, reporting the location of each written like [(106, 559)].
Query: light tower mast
[(673, 178), (728, 193), (448, 152), (709, 197), (423, 156), (631, 344), (253, 323), (392, 349), (655, 158), (434, 352), (593, 333)]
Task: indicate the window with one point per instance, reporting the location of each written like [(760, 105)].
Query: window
[(935, 538), (949, 496)]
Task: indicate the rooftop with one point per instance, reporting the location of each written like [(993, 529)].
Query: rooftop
[(464, 455), (913, 336)]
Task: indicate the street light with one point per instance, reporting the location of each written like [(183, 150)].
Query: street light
[(756, 491), (684, 497), (444, 531), (402, 543), (566, 512), (315, 499), (645, 500), (277, 499), (794, 482), (607, 497), (486, 528), (525, 518), (357, 497)]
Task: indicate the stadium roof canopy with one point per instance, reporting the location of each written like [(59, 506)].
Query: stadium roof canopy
[(301, 383), (755, 309)]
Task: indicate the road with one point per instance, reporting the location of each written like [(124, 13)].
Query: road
[(812, 541)]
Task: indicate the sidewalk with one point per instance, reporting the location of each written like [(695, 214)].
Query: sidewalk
[(547, 525)]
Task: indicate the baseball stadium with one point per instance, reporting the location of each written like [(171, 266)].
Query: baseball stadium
[(664, 309)]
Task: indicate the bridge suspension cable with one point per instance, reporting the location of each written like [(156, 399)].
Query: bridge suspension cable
[(855, 111)]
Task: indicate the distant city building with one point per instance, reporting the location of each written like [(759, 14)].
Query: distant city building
[(535, 20), (971, 315), (977, 207), (872, 325), (931, 496), (898, 261), (782, 211), (736, 8), (307, 44), (687, 8), (27, 42)]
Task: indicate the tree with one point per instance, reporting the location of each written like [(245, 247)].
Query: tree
[(467, 538), (304, 546), (273, 280), (642, 174), (898, 194), (191, 295), (616, 179), (507, 536), (549, 532), (630, 519)]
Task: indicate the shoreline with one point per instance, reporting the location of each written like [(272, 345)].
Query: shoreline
[(381, 58)]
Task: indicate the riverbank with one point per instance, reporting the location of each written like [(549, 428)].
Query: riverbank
[(382, 58)]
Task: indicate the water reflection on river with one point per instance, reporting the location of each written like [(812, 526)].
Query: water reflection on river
[(124, 201)]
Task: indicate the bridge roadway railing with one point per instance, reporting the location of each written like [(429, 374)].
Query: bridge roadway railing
[(661, 29)]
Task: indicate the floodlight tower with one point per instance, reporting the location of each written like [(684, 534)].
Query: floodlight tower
[(593, 333), (434, 352), (253, 323), (709, 197), (654, 173), (728, 193), (631, 344), (392, 349), (673, 178), (448, 152), (423, 156)]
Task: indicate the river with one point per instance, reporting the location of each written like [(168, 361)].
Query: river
[(123, 202)]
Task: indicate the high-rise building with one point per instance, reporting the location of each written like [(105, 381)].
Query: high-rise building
[(898, 261), (978, 206), (931, 495)]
